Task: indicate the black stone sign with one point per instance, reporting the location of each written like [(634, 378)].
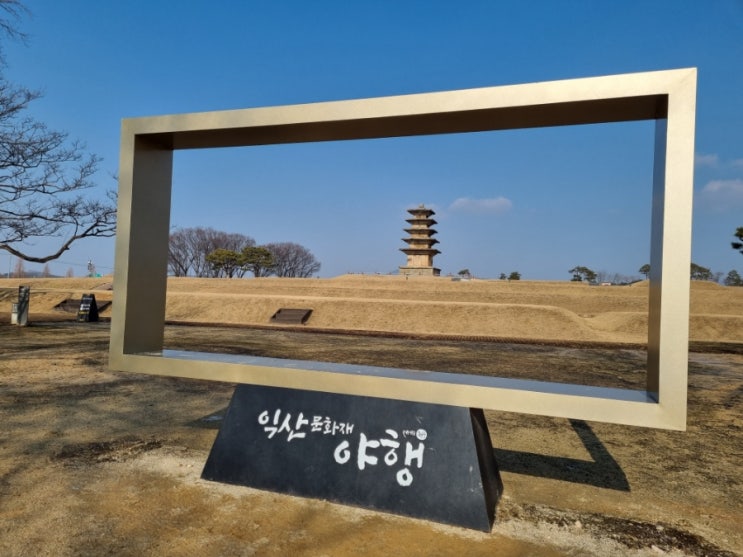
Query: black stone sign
[(88, 309), (422, 460)]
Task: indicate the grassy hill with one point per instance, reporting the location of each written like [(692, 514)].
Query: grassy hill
[(563, 311)]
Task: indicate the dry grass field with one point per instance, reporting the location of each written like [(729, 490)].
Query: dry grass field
[(558, 311), (94, 462), (519, 309)]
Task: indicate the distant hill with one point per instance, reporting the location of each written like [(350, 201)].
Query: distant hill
[(29, 274)]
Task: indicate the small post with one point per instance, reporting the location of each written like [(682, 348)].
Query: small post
[(24, 295)]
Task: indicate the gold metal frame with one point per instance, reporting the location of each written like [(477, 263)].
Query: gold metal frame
[(668, 97)]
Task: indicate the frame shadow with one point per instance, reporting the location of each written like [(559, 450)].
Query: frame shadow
[(603, 471)]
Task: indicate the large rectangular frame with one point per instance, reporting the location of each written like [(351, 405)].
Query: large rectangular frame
[(145, 175)]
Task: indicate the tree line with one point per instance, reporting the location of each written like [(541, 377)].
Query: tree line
[(696, 272), (205, 252)]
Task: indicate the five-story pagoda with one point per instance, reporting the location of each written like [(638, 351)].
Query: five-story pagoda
[(420, 250)]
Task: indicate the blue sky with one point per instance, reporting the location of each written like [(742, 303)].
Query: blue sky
[(535, 201)]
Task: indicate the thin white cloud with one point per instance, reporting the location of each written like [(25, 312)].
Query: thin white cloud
[(490, 206), (723, 194), (726, 187), (706, 160), (714, 161)]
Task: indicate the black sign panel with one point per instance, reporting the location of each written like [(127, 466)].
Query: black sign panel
[(422, 460), (88, 309)]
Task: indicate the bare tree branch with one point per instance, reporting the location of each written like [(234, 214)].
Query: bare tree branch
[(14, 11), (43, 175)]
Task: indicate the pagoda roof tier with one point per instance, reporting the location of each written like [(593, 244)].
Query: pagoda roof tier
[(419, 251), (421, 211), (427, 249), (429, 231), (429, 241), (426, 222)]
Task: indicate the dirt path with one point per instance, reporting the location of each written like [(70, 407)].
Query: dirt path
[(100, 463)]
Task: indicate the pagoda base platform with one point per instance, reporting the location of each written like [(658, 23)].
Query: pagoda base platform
[(420, 271)]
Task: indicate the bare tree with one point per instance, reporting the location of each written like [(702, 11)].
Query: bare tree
[(43, 175), (189, 248), (19, 270), (292, 260), (179, 253), (604, 277)]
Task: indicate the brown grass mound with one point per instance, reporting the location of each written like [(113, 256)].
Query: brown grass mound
[(47, 293), (519, 309), (424, 305), (400, 316)]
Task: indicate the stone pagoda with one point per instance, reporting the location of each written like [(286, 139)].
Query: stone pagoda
[(420, 250)]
